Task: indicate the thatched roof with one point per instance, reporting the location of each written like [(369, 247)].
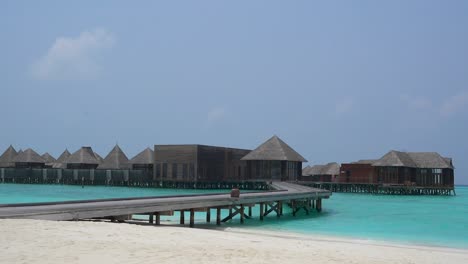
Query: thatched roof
[(98, 157), (48, 158), (84, 155), (365, 161), (116, 159), (7, 159), (144, 157), (331, 168), (60, 163), (29, 156), (413, 160), (274, 149)]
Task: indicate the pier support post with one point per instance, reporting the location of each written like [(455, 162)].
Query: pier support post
[(218, 216), (151, 218), (208, 215), (158, 218), (2, 172), (318, 205), (278, 208), (250, 211), (182, 217), (261, 211), (242, 214), (192, 217)]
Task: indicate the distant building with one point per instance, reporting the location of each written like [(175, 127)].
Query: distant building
[(401, 168), (321, 173), (83, 158), (29, 159), (274, 160), (7, 159), (115, 160), (61, 162), (49, 160), (198, 163), (143, 160)]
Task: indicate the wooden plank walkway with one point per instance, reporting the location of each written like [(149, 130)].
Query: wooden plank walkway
[(283, 192)]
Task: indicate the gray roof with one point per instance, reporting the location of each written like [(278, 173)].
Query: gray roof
[(365, 161), (7, 159), (413, 160), (48, 158), (29, 156), (98, 157), (60, 163), (144, 157), (331, 168), (84, 155), (116, 159), (274, 149)]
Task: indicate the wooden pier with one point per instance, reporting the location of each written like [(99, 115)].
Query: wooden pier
[(381, 189), (297, 197)]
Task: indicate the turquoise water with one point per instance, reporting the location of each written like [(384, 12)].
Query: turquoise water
[(429, 220)]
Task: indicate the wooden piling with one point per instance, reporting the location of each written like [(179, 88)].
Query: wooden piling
[(151, 218), (208, 215), (192, 217), (182, 217), (318, 205), (261, 211), (218, 216), (158, 218), (242, 216)]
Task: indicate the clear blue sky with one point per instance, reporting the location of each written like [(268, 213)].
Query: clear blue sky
[(337, 80)]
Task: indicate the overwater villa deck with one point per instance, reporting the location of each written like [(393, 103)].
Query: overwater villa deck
[(297, 197)]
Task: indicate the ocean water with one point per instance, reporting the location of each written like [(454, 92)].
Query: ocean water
[(427, 220)]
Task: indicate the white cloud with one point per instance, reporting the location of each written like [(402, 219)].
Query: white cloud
[(216, 114), (73, 58), (416, 102), (454, 104), (345, 105)]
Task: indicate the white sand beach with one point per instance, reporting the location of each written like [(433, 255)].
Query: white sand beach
[(34, 241)]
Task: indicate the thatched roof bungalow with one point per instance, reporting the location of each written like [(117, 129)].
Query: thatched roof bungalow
[(29, 159), (322, 173), (274, 160), (83, 158), (49, 160), (143, 160), (60, 163), (7, 159), (115, 160)]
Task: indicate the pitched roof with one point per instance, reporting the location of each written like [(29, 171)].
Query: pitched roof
[(29, 156), (8, 157), (144, 157), (84, 155), (274, 149), (98, 157), (331, 168), (413, 160), (48, 158), (116, 159), (60, 163)]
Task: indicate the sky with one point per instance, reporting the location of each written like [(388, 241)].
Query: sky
[(337, 80)]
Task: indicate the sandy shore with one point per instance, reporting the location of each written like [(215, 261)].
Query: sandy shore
[(33, 241)]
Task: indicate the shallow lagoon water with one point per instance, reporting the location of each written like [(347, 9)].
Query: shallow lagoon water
[(428, 220)]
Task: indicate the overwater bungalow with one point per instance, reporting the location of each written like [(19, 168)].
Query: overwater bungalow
[(274, 160), (401, 168), (7, 159), (83, 158), (60, 163), (321, 173), (143, 160), (49, 160), (29, 159), (115, 160), (198, 163), (99, 158)]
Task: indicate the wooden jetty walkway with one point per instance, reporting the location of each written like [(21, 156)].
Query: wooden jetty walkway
[(375, 188), (297, 197)]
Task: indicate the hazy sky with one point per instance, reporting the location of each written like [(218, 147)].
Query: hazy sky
[(337, 80)]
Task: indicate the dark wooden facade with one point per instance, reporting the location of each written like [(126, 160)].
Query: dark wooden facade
[(274, 170), (198, 163), (415, 176), (357, 173)]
